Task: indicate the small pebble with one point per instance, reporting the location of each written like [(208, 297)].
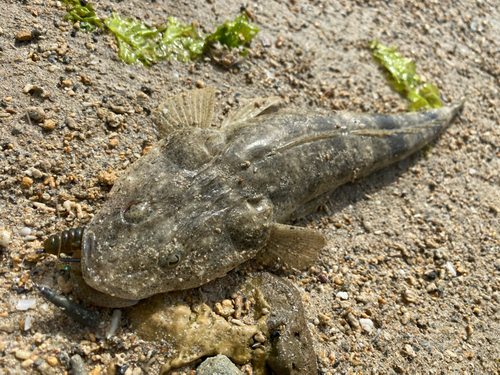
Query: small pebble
[(452, 270), (49, 124), (25, 304), (259, 337), (28, 322), (26, 182), (200, 84), (27, 363), (113, 142), (78, 365), (24, 231), (52, 361), (322, 277), (4, 237), (23, 36), (71, 122), (367, 324), (220, 365), (36, 113), (114, 120), (22, 354), (409, 296), (343, 295), (35, 33)]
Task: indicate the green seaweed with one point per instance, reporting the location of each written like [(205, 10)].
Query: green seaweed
[(182, 42), (139, 43), (84, 14), (404, 79), (235, 33)]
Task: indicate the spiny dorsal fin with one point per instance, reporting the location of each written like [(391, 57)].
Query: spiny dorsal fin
[(291, 246), (191, 108), (250, 109)]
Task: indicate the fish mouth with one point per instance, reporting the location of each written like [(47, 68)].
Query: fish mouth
[(91, 271)]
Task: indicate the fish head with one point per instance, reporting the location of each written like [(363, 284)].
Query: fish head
[(172, 221)]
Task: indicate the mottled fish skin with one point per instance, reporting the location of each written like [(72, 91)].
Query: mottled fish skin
[(203, 201)]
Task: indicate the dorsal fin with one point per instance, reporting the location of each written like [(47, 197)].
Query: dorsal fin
[(191, 108), (250, 109)]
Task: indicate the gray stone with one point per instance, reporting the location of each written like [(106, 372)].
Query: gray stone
[(220, 365), (78, 365)]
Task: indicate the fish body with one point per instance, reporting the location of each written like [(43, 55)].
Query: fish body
[(204, 200)]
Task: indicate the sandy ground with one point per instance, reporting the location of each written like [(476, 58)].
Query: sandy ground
[(415, 246)]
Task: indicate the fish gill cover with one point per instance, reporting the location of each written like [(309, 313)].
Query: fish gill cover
[(403, 77), (140, 43)]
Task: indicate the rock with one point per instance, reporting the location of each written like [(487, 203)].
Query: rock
[(36, 33), (195, 331), (220, 365), (113, 142), (4, 237), (23, 36), (367, 324), (409, 296), (118, 109), (107, 178), (26, 182), (36, 113), (408, 350), (77, 365), (86, 80), (200, 84), (52, 361), (114, 120), (22, 354), (363, 298), (351, 319), (71, 123), (49, 124), (225, 308), (66, 83), (27, 363), (343, 295)]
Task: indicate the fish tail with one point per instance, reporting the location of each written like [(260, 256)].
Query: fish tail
[(390, 138)]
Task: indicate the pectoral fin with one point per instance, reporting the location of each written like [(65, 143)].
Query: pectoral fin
[(191, 108), (250, 109), (291, 246)]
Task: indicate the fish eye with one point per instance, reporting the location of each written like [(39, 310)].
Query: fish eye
[(137, 212), (170, 260)]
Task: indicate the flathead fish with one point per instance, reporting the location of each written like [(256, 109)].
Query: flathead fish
[(204, 200)]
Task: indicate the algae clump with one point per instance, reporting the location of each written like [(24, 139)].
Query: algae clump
[(84, 14), (235, 33), (404, 79), (138, 42)]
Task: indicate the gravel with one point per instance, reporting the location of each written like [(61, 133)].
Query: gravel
[(428, 225)]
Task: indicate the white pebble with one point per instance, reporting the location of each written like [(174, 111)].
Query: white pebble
[(366, 324), (25, 304), (115, 319), (24, 231), (343, 295), (451, 269), (4, 237), (28, 322)]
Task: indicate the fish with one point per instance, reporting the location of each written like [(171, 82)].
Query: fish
[(206, 199)]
